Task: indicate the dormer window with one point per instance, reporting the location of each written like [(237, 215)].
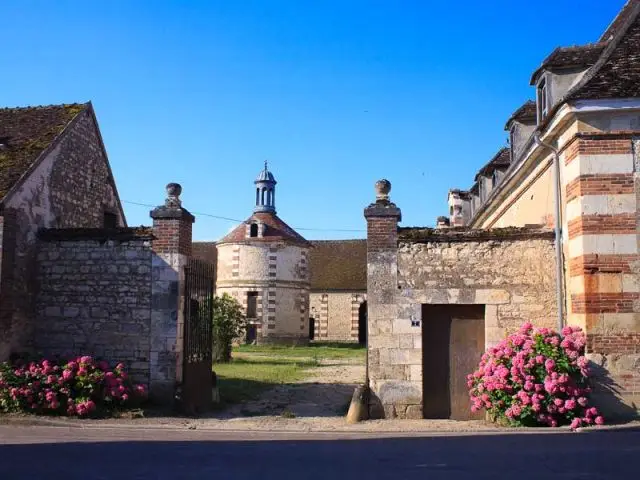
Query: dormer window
[(494, 179), (253, 230), (542, 100)]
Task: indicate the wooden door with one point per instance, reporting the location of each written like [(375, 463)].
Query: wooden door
[(452, 344), (466, 348)]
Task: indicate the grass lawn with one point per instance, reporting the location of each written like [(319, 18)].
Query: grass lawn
[(257, 368), (326, 350)]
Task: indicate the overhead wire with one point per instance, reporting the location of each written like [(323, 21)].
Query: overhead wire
[(220, 217)]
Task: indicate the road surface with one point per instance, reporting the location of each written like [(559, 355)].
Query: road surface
[(125, 453)]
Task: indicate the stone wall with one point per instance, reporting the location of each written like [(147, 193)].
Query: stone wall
[(509, 271), (95, 296), (71, 187)]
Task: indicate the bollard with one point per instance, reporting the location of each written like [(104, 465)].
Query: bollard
[(359, 407)]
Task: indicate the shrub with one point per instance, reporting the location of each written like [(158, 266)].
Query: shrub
[(81, 387), (228, 324), (535, 377)]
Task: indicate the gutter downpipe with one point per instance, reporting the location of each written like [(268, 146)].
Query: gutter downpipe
[(558, 232)]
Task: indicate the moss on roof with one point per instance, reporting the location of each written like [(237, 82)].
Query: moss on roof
[(27, 131)]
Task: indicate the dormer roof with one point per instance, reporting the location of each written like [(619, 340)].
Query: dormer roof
[(524, 114), (463, 194), (500, 160), (568, 57)]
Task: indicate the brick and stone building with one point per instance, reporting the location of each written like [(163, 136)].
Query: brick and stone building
[(437, 298), (263, 263), (338, 270)]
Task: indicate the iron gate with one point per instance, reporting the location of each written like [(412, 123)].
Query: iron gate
[(198, 338)]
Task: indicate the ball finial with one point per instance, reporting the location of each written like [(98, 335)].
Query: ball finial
[(173, 194), (383, 187)]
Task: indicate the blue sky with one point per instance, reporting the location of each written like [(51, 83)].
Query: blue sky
[(334, 93)]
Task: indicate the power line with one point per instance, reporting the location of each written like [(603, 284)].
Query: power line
[(220, 217)]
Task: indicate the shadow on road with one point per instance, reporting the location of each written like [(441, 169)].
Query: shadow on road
[(191, 455)]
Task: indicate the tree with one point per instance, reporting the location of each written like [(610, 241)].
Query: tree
[(228, 324)]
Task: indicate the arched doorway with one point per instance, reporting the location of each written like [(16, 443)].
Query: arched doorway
[(362, 324)]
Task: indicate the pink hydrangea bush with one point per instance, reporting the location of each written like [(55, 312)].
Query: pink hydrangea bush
[(81, 387), (535, 377)]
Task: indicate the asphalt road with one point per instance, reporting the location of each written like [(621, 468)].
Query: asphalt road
[(52, 453)]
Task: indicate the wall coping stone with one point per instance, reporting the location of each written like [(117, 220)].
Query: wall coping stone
[(383, 208), (171, 213), (464, 234), (100, 234)]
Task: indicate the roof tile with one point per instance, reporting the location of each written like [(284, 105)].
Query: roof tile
[(25, 132)]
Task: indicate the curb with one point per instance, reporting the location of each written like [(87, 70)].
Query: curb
[(190, 426)]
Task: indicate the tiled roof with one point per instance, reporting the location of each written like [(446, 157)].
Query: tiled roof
[(26, 132), (502, 159), (338, 265), (276, 230), (463, 194), (576, 56), (526, 112), (617, 73), (205, 251), (618, 22)]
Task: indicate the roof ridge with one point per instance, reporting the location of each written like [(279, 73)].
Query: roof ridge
[(52, 105), (608, 51)]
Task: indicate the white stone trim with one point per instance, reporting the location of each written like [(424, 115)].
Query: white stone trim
[(610, 244), (601, 164), (601, 205)]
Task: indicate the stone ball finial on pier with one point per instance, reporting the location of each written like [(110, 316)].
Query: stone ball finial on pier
[(382, 187), (173, 195)]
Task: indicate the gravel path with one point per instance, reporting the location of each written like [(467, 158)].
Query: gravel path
[(325, 393)]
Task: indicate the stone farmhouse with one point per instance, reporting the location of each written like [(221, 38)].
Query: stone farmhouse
[(39, 147), (292, 290), (547, 233), (74, 279)]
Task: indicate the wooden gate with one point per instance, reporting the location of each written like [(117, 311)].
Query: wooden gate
[(198, 338)]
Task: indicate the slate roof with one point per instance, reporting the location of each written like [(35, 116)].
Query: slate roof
[(25, 132), (276, 230), (502, 159), (618, 22), (526, 112), (617, 73), (565, 57), (338, 265)]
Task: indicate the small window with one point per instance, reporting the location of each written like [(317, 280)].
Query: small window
[(542, 100), (495, 179), (451, 210), (253, 230), (110, 220), (252, 304), (512, 143)]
